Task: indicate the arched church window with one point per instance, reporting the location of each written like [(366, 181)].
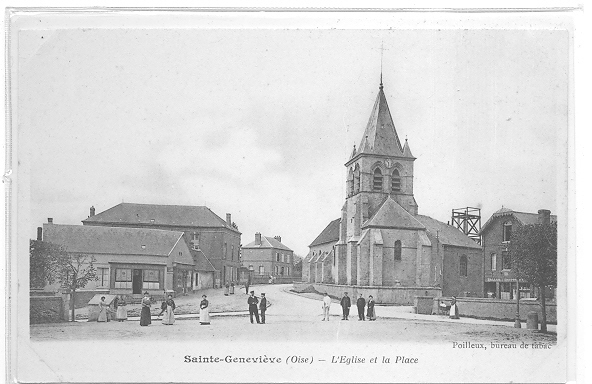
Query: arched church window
[(377, 181), (398, 250), (350, 183), (463, 265), (357, 179), (396, 181)]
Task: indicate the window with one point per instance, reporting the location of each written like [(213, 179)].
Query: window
[(287, 271), (282, 271), (150, 279), (123, 278), (396, 181), (261, 270), (463, 265), (225, 251), (195, 241), (357, 179), (493, 262), (277, 256), (350, 182), (398, 250), (506, 260), (507, 231), (103, 277), (232, 253), (377, 182)]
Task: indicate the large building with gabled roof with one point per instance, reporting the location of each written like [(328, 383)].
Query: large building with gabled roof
[(131, 261), (382, 241), (206, 233)]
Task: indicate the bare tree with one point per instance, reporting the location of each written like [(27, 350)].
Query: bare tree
[(75, 270), (534, 252)]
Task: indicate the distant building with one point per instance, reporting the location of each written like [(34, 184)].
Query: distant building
[(134, 260), (205, 232), (268, 257), (382, 240), (500, 277)]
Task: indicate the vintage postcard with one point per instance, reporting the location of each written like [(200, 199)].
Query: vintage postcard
[(289, 196)]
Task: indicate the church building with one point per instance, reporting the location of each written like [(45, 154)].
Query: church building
[(382, 241)]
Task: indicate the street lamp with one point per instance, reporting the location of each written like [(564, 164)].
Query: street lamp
[(517, 321)]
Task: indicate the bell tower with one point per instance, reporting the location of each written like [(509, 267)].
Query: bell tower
[(380, 166)]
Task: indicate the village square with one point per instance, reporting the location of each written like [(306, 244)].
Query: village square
[(381, 268)]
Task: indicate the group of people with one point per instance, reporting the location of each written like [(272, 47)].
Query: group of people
[(346, 304), (167, 310), (106, 313), (229, 288), (256, 306)]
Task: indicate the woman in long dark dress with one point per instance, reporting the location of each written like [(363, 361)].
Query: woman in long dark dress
[(145, 315), (371, 315)]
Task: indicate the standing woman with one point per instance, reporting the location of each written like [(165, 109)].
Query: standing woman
[(145, 315), (371, 315), (121, 313), (204, 311), (168, 307), (103, 311)]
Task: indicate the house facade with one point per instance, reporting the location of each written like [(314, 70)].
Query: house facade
[(130, 261), (500, 277), (205, 232), (382, 240), (267, 256)]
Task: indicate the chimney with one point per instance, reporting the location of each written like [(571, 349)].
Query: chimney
[(278, 238), (258, 238), (50, 220), (39, 233), (92, 211), (544, 216), (228, 220)]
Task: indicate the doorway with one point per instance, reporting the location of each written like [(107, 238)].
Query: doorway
[(137, 281)]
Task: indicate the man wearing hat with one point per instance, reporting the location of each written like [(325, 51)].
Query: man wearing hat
[(253, 301), (263, 307)]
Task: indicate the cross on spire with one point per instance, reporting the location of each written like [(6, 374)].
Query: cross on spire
[(381, 59)]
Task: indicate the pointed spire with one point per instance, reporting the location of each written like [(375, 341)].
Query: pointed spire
[(407, 150), (380, 136), (353, 152)]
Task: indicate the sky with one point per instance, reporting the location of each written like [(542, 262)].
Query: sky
[(259, 123)]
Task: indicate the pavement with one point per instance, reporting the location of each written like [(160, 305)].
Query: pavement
[(407, 313), (382, 311)]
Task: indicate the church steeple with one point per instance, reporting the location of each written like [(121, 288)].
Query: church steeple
[(380, 136)]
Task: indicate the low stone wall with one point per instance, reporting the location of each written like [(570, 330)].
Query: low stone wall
[(381, 295), (46, 309), (496, 309)]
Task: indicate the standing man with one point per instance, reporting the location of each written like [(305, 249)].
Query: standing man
[(263, 307), (253, 301), (345, 304), (361, 303), (326, 306)]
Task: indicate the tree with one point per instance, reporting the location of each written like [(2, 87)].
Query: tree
[(75, 270), (43, 262), (534, 252)]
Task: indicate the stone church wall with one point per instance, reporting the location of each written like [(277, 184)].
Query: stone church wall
[(454, 283)]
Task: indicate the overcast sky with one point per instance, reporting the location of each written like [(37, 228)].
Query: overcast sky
[(259, 123)]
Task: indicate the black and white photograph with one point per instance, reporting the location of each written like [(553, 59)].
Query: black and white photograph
[(208, 196)]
